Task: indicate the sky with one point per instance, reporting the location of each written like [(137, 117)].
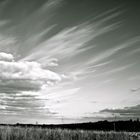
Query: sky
[(69, 61)]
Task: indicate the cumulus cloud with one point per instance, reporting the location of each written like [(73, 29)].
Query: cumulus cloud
[(23, 75), (6, 57), (26, 70), (21, 83)]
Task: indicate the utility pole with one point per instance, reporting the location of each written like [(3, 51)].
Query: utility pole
[(62, 120), (114, 123)]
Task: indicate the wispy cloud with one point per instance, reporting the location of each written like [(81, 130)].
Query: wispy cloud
[(132, 78), (3, 23), (114, 70), (64, 44), (112, 51), (71, 41)]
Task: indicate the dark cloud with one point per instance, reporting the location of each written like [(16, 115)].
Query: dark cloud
[(133, 111), (16, 86), (25, 106), (135, 90)]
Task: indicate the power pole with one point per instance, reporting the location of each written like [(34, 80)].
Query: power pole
[(114, 123), (62, 120)]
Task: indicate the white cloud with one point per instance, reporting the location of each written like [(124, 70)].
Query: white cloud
[(115, 70), (69, 42), (21, 84), (66, 43), (23, 75), (112, 51), (26, 70), (6, 57)]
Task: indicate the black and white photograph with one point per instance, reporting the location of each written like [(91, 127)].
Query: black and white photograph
[(69, 69)]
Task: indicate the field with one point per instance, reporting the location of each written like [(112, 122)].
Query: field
[(19, 133)]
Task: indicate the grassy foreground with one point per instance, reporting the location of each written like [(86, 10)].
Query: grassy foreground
[(18, 133)]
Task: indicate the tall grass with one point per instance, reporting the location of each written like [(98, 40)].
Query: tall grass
[(19, 133)]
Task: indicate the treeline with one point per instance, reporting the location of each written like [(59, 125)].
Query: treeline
[(129, 125)]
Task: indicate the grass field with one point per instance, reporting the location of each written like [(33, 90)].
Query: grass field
[(18, 133)]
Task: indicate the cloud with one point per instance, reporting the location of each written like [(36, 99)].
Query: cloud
[(135, 90), (7, 41), (101, 64), (133, 111), (21, 84), (3, 22), (66, 43), (114, 70), (25, 84), (24, 75), (24, 70), (104, 55), (63, 93), (136, 77), (71, 41), (6, 57)]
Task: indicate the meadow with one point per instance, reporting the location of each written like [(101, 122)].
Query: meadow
[(34, 133)]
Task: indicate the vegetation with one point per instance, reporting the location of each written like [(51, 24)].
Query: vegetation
[(120, 125), (36, 133)]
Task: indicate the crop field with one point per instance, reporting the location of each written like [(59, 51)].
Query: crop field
[(19, 133)]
